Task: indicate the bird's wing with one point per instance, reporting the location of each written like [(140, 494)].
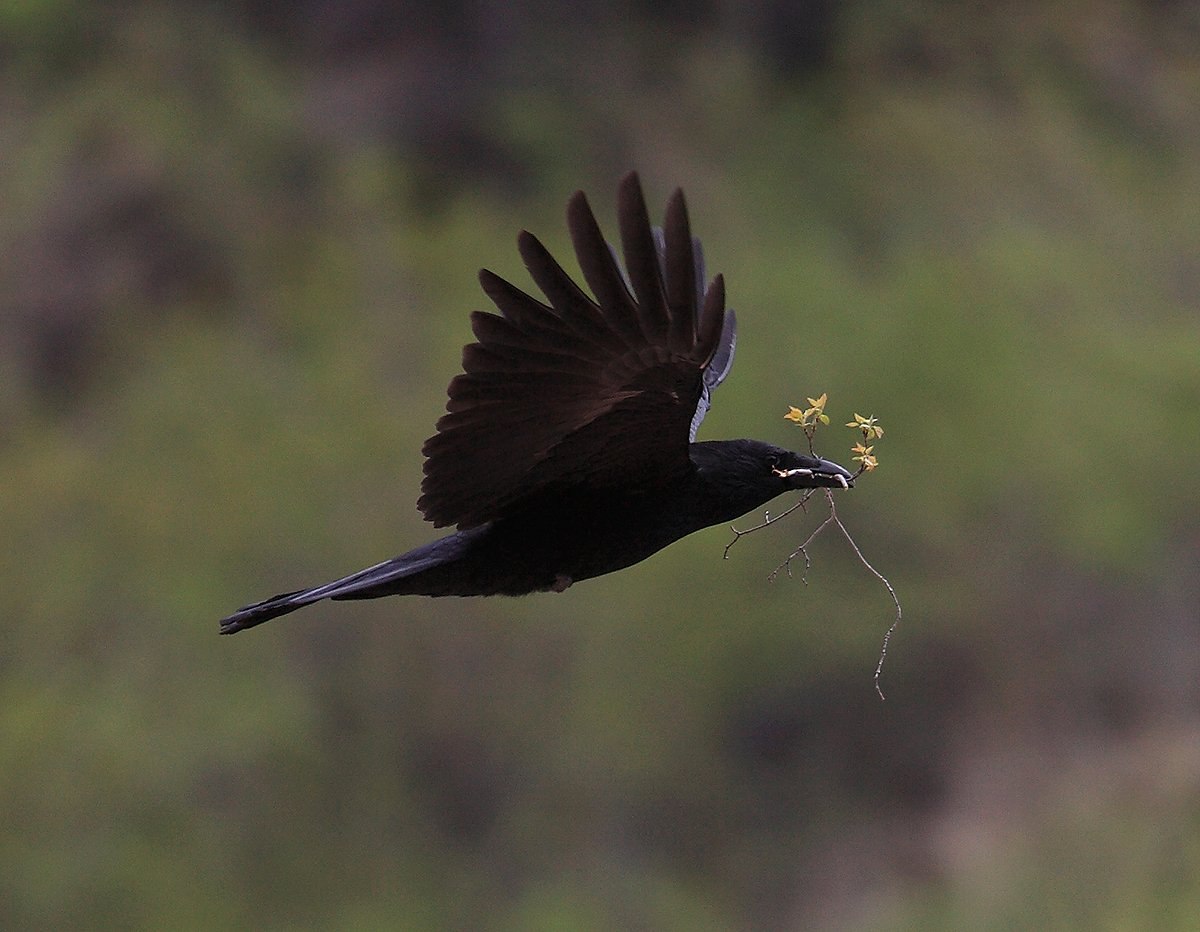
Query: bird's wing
[(580, 392)]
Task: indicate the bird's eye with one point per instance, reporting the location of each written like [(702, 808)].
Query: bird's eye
[(773, 461)]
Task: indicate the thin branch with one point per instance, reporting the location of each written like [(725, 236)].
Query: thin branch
[(766, 522), (786, 565), (802, 550), (887, 637)]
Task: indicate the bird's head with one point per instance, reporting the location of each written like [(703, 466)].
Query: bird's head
[(763, 470), (739, 475), (801, 471)]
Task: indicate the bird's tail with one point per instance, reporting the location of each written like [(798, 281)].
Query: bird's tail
[(255, 614), (400, 575)]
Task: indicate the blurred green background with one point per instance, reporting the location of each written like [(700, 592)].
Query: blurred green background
[(238, 247)]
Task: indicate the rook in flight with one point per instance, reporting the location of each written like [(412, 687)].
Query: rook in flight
[(568, 448)]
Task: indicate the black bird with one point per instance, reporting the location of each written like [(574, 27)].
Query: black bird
[(567, 450)]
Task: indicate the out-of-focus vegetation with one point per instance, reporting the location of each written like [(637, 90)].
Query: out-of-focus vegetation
[(237, 251)]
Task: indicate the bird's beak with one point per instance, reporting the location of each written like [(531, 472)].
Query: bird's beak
[(817, 474)]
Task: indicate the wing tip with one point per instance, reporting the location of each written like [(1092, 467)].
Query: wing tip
[(677, 202), (630, 188), (712, 318), (578, 208)]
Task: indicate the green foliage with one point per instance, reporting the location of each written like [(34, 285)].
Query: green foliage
[(232, 310)]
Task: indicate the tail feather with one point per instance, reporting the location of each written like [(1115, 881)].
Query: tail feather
[(255, 614), (374, 581)]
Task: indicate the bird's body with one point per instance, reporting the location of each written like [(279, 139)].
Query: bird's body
[(568, 448)]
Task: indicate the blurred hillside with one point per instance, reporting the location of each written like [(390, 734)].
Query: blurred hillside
[(237, 252)]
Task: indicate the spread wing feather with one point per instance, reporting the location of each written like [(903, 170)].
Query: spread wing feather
[(582, 392)]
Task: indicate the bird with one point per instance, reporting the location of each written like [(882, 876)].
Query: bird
[(568, 448)]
